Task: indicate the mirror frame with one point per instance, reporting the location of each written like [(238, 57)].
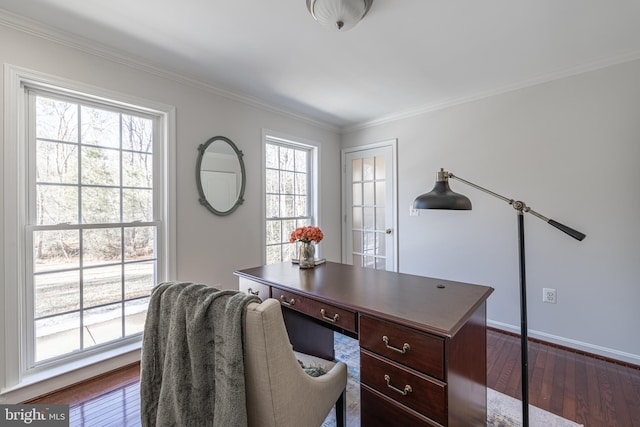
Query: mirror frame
[(203, 199)]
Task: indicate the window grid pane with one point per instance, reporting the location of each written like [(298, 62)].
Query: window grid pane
[(93, 270), (288, 197)]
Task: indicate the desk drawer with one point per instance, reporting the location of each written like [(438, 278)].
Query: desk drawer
[(328, 313), (380, 411), (409, 388), (254, 288), (423, 352)]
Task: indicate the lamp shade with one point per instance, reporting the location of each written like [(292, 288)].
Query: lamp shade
[(442, 197), (340, 15)]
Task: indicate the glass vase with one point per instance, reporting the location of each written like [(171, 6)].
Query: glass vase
[(306, 255)]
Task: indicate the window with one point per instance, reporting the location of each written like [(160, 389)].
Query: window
[(93, 227), (290, 189)]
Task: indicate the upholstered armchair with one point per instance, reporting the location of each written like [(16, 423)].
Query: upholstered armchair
[(279, 392)]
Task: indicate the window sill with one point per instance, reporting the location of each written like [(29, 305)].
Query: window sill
[(48, 380)]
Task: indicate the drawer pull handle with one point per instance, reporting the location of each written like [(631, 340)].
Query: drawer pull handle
[(407, 388), (250, 291), (403, 350), (289, 303), (333, 319)]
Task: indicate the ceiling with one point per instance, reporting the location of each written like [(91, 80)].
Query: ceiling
[(406, 56)]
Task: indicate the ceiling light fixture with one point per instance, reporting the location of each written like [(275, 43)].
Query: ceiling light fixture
[(340, 15)]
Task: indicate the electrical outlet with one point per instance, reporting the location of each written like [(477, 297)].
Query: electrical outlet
[(549, 295), (413, 212)]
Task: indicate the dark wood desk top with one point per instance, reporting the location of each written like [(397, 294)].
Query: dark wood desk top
[(432, 305)]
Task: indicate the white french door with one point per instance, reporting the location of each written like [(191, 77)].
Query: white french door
[(369, 200)]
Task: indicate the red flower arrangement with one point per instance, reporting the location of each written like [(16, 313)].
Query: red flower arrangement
[(307, 234)]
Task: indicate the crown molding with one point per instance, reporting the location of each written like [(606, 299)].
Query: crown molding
[(535, 81), (49, 33), (44, 31)]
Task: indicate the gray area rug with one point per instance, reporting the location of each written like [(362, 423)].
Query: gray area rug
[(503, 410)]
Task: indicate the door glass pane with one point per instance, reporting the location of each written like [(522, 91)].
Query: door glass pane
[(367, 169), (368, 218), (368, 262), (356, 168), (357, 194), (357, 217), (380, 219), (380, 192), (368, 192), (357, 241), (380, 167), (380, 244), (369, 242), (357, 260)]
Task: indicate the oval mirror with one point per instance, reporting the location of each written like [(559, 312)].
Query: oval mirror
[(220, 175)]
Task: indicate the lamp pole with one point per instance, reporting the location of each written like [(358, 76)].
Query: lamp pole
[(524, 336), (442, 197)]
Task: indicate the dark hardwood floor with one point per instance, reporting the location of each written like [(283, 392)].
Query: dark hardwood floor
[(589, 390)]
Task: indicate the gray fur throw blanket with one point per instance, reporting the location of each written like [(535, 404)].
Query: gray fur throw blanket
[(192, 364)]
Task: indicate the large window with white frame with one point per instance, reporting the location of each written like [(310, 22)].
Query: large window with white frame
[(94, 231), (290, 194)]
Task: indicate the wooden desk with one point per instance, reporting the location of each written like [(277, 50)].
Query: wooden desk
[(422, 340)]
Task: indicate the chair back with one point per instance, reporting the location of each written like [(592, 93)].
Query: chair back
[(278, 391)]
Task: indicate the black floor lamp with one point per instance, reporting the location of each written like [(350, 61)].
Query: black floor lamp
[(442, 197)]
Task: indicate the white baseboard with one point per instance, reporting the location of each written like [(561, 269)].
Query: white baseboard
[(570, 343)]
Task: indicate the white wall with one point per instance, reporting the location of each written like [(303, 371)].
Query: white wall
[(570, 149), (209, 247)]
